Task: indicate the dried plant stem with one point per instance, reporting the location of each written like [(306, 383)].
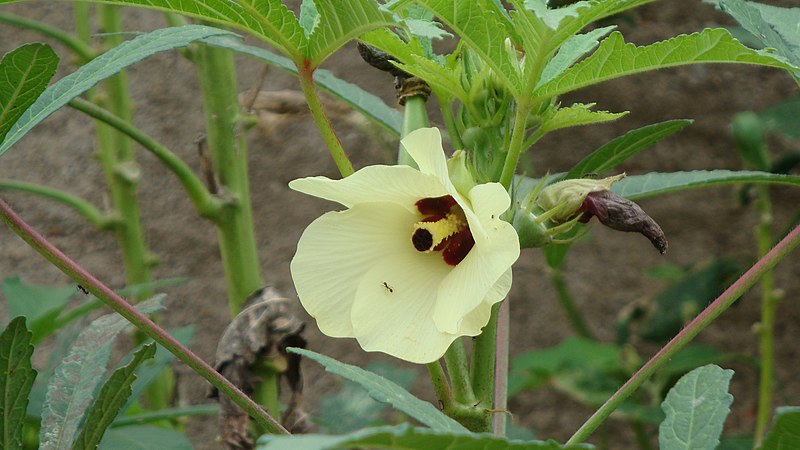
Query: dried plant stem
[(139, 320), (717, 307)]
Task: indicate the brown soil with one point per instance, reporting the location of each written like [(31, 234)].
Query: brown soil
[(605, 273)]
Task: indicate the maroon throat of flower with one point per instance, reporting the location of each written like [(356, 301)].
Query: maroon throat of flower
[(443, 228)]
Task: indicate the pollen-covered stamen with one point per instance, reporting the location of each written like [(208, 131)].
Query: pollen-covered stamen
[(444, 228)]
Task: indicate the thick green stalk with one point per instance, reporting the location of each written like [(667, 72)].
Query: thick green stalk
[(306, 75), (235, 230), (712, 311), (766, 328), (483, 360), (458, 371), (136, 318), (415, 116), (500, 406)]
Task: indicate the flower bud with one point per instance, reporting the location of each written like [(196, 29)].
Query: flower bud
[(568, 195)]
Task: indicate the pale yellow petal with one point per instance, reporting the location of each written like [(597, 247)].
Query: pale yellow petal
[(424, 145), (401, 185), (470, 281), (478, 318), (393, 309), (337, 249)]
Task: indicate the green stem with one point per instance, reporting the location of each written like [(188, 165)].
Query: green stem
[(712, 311), (207, 205), (129, 312), (306, 75), (515, 147), (450, 124), (84, 208), (80, 48), (766, 328), (458, 371), (228, 149), (209, 409), (415, 116), (440, 384), (483, 360), (501, 370), (574, 315)]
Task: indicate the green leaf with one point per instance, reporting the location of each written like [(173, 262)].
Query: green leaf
[(16, 380), (102, 67), (24, 74), (112, 397), (614, 58), (269, 20), (655, 183), (40, 304), (386, 391), (73, 384), (144, 437), (775, 27), (208, 409), (694, 356), (340, 22), (482, 27), (405, 437), (531, 369), (782, 117), (352, 408), (309, 16), (623, 147), (696, 408), (577, 114), (785, 434), (368, 104), (572, 50)]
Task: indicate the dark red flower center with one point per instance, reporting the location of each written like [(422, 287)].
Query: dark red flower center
[(443, 228)]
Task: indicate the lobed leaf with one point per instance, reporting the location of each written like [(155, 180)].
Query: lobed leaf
[(16, 380), (614, 58), (405, 437), (576, 115), (72, 386), (386, 391), (102, 67), (269, 20), (24, 74), (340, 22), (696, 408), (368, 104), (648, 185), (785, 434), (40, 304), (623, 147), (113, 395), (570, 51)]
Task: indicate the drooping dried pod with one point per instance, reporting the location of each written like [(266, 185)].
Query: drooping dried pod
[(262, 331), (619, 213)]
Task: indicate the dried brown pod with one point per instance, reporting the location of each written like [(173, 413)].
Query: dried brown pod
[(262, 331), (619, 213)]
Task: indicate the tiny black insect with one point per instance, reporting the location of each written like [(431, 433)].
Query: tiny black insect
[(387, 287), (83, 289)]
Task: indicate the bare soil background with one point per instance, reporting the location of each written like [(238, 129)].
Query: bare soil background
[(605, 272)]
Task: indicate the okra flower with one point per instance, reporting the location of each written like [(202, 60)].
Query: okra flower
[(412, 263)]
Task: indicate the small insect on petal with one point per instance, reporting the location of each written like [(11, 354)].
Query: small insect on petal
[(619, 213)]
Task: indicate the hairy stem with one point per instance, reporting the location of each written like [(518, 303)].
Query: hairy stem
[(129, 312), (500, 406), (712, 311), (766, 328), (415, 116), (515, 146), (458, 371)]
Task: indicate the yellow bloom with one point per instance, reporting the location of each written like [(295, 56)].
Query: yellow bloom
[(412, 263)]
